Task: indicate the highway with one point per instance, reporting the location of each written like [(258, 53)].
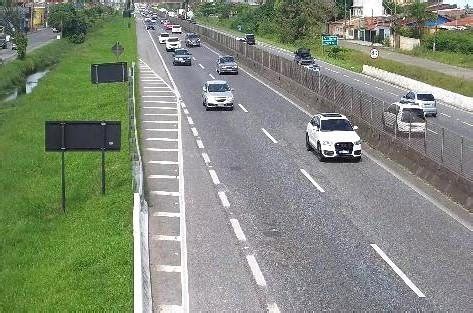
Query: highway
[(452, 118), (244, 218)]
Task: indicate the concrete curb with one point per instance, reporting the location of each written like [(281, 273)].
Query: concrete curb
[(453, 99)]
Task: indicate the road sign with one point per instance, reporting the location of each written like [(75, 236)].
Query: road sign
[(374, 53), (117, 49), (109, 72), (328, 40)]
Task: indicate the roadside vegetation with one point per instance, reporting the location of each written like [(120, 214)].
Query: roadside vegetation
[(80, 260), (291, 32)]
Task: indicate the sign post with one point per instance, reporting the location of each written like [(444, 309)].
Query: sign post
[(65, 136), (117, 50)]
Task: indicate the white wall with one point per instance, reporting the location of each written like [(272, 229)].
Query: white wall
[(369, 8), (454, 99)]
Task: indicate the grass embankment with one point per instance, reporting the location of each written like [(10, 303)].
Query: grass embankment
[(354, 60), (81, 260), (452, 58)]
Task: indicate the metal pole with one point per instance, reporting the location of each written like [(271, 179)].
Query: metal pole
[(63, 167), (442, 147), (461, 155), (63, 183)]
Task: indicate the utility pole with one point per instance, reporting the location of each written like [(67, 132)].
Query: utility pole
[(345, 20)]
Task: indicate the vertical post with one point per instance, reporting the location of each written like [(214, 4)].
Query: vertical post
[(371, 109), (63, 169), (104, 128), (461, 155), (443, 145)]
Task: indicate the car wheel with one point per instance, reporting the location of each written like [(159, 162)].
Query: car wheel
[(218, 72), (434, 115), (307, 142), (319, 153)]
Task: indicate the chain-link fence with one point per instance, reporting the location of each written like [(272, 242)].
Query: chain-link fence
[(442, 145)]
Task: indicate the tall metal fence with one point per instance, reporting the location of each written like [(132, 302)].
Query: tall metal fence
[(142, 300), (438, 143)]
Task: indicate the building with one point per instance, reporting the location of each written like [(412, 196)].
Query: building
[(365, 8)]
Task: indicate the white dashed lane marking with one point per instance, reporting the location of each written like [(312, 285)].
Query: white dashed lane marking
[(307, 175), (257, 274), (201, 66), (269, 135), (237, 229), (243, 108)]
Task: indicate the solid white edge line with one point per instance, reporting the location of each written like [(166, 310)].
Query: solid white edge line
[(243, 108), (398, 271), (379, 163), (307, 175), (269, 135), (214, 177), (257, 274), (182, 204), (237, 229), (224, 199)]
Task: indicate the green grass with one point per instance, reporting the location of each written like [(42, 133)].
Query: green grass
[(81, 260), (13, 73), (354, 60), (452, 58)]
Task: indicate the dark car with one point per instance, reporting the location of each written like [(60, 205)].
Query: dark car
[(182, 57), (250, 39), (227, 64), (192, 40), (302, 56), (150, 25)]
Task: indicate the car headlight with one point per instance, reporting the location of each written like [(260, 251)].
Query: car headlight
[(358, 142), (326, 143)]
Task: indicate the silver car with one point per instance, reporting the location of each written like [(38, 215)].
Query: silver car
[(217, 94), (426, 101), (227, 64)]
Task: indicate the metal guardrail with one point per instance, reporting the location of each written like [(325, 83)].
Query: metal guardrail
[(142, 300), (442, 145)]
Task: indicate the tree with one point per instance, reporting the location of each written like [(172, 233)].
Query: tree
[(21, 43), (419, 13)]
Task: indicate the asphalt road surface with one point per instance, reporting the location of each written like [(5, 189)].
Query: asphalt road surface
[(243, 218), (450, 117), (35, 40)]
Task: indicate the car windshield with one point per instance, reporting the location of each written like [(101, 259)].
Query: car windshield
[(250, 36), (425, 97), (218, 87), (182, 52), (227, 60), (173, 39), (412, 115), (335, 125), (192, 36), (164, 35)]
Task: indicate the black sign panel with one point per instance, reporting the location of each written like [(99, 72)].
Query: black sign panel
[(109, 72), (82, 136)]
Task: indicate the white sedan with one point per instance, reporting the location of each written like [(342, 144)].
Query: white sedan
[(163, 37)]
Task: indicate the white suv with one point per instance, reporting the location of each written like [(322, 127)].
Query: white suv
[(425, 100), (332, 135), (172, 43)]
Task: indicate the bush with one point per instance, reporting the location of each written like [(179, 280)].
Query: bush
[(452, 41), (21, 42), (77, 38)]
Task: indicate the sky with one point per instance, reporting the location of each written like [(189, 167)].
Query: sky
[(459, 3)]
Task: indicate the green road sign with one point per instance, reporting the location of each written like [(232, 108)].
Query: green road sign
[(328, 40)]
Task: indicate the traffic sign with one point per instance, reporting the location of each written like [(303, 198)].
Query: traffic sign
[(329, 40), (117, 49), (374, 53)]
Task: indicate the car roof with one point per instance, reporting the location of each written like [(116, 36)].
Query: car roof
[(331, 115), (211, 82)]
